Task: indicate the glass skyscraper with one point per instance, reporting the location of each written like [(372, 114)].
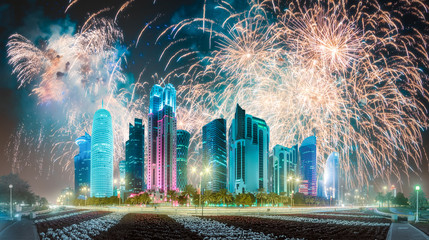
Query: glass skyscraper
[(214, 154), (248, 147), (285, 162), (307, 151), (102, 155), (161, 174), (331, 175), (182, 158), (134, 158), (82, 164)]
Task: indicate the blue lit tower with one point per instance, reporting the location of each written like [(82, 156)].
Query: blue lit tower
[(214, 154), (182, 158), (331, 175), (134, 158), (102, 155), (161, 174), (248, 153), (285, 162), (82, 163), (307, 151)]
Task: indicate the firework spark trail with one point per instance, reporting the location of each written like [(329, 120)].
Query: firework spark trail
[(347, 73), (74, 73)]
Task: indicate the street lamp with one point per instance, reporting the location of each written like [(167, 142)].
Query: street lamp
[(417, 207), (85, 190), (206, 171), (10, 190)]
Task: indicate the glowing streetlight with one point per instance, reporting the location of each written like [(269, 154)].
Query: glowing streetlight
[(10, 190), (417, 207)]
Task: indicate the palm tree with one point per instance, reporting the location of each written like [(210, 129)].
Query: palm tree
[(172, 195), (388, 198), (223, 195), (189, 191), (260, 196), (273, 198)]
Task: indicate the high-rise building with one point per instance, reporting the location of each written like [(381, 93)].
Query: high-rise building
[(182, 158), (248, 147), (122, 174), (82, 164), (307, 151), (331, 176), (134, 157), (161, 174), (214, 154), (285, 172), (102, 155)]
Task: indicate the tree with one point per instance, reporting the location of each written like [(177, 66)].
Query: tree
[(400, 199), (21, 189), (261, 195), (273, 198), (413, 199), (283, 198), (298, 198), (182, 199), (189, 191), (388, 197), (172, 195), (380, 198)]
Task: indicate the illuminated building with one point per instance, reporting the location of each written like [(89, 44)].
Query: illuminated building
[(82, 164), (285, 173), (331, 175), (161, 174), (214, 154), (182, 158), (102, 155), (134, 158), (122, 174), (248, 153), (307, 151)]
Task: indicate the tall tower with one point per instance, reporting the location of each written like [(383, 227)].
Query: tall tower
[(330, 177), (162, 141), (285, 169), (182, 158), (122, 174), (307, 151), (248, 153), (102, 155), (214, 154), (82, 163), (134, 157)]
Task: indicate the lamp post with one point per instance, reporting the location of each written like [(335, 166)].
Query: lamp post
[(85, 190), (417, 207), (206, 171), (10, 190)]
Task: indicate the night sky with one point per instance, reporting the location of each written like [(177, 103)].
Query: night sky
[(34, 18)]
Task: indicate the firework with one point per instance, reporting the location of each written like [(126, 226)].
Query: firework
[(73, 73), (347, 73)]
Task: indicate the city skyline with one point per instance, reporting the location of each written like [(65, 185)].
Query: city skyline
[(61, 169)]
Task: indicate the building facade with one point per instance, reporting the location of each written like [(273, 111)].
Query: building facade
[(285, 174), (162, 139), (214, 154), (134, 158), (248, 147), (82, 164), (331, 177), (182, 158), (308, 159), (102, 155)]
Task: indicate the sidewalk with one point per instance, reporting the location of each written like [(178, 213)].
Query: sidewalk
[(21, 230), (401, 231)]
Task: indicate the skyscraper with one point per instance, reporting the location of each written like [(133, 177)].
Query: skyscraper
[(102, 155), (182, 158), (214, 154), (331, 175), (82, 164), (161, 175), (285, 162), (134, 157), (122, 174), (248, 153), (307, 151)]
